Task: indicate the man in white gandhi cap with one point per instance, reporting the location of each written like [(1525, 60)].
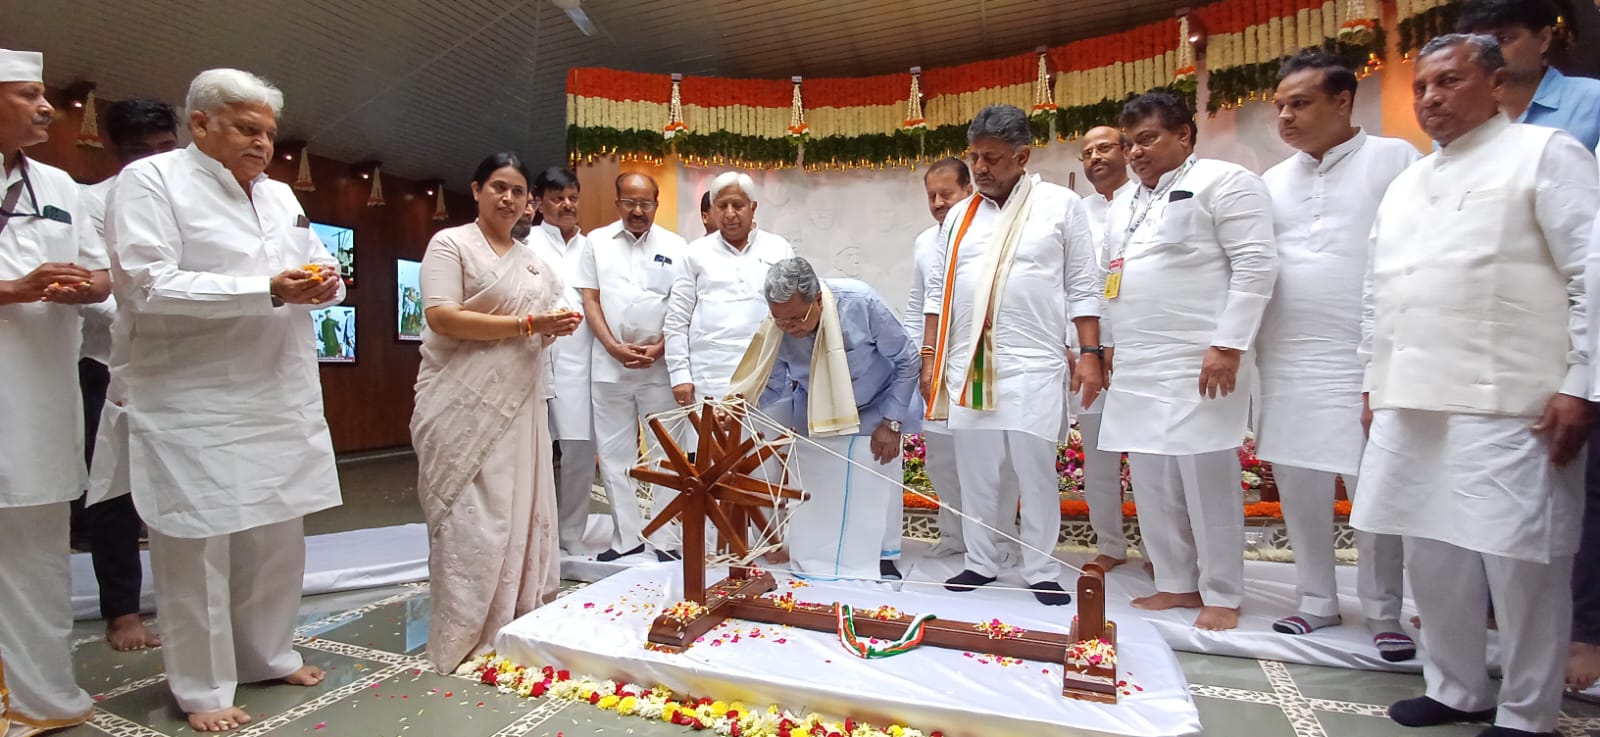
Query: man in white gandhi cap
[(45, 274)]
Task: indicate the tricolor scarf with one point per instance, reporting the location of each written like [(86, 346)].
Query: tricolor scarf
[(831, 406), (978, 390)]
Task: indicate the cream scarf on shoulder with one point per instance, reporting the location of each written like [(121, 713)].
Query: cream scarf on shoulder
[(831, 405)]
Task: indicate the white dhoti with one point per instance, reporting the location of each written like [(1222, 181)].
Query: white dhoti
[(985, 454), (1485, 515), (574, 482), (838, 531), (1102, 489), (619, 408), (1307, 499), (1193, 519), (228, 606), (36, 629)]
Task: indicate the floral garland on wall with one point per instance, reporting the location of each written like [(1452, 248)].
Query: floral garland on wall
[(862, 122), (1100, 74), (1421, 20), (1248, 40)]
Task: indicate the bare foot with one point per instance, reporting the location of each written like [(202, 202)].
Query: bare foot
[(1163, 600), (1107, 562), (1583, 666), (219, 721), (1217, 618), (308, 675), (127, 633)]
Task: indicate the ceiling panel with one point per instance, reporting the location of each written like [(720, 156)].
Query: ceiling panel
[(431, 86)]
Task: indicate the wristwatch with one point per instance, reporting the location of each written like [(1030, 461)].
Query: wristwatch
[(893, 425), (1093, 350)]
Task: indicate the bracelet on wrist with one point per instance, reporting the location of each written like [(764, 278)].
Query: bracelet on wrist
[(927, 350)]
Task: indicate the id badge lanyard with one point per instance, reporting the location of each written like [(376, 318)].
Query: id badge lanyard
[(1114, 267)]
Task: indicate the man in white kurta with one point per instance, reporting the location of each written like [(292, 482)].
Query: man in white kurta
[(947, 182), (625, 275), (559, 243), (215, 421), (835, 364), (716, 305), (48, 267), (1017, 273), (1105, 165), (1476, 377), (1191, 265), (1309, 425)]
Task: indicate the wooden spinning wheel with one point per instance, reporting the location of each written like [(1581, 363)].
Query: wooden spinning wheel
[(716, 486), (719, 486)]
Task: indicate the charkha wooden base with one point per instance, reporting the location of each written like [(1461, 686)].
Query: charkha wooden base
[(719, 486)]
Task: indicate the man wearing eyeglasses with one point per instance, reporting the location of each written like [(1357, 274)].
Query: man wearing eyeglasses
[(1191, 266), (835, 363), (625, 275), (1105, 165), (48, 267)]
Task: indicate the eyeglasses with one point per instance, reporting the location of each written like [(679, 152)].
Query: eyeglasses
[(643, 205), (1103, 150), (790, 322)]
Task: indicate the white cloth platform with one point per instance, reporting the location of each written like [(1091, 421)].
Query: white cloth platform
[(1269, 596), (600, 631), (342, 561)]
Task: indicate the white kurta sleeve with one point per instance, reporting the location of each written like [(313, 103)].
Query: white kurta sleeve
[(1368, 311), (1566, 189), (675, 329), (313, 252), (142, 231), (918, 292), (1242, 215), (587, 276), (933, 288), (1085, 282)]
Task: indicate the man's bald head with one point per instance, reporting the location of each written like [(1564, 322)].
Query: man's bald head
[(1105, 159)]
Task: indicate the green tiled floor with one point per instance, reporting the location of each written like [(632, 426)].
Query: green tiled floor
[(378, 686)]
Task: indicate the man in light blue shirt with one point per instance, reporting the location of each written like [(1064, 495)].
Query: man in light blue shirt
[(846, 523), (1534, 92)]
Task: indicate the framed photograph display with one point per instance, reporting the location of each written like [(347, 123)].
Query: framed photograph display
[(334, 330), (409, 319), (341, 244)]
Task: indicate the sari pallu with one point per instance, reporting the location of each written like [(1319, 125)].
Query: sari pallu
[(484, 466)]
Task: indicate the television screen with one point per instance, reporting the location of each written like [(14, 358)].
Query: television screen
[(408, 293), (341, 244), (334, 329)]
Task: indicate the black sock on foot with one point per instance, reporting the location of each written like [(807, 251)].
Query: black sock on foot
[(1050, 593), (967, 581), (1425, 712), (887, 569), (612, 554)]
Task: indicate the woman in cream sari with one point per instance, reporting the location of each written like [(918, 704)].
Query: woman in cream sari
[(479, 428)]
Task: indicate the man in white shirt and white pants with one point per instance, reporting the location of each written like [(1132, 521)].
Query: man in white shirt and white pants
[(559, 243), (625, 274), (215, 419), (1016, 273), (1191, 266), (1477, 375), (947, 182), (1105, 165), (48, 268), (1309, 427)]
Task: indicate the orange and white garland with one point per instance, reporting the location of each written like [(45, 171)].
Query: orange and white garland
[(914, 122), (89, 130), (1186, 69), (798, 129), (303, 181), (1044, 103), (675, 124)]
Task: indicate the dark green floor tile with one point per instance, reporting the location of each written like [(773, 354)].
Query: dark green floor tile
[(101, 669), (583, 720), (1223, 718), (1359, 686), (1352, 725), (154, 707), (1214, 670), (400, 627), (414, 704)]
